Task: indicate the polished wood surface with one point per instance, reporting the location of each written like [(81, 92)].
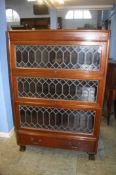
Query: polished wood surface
[(59, 35), (111, 88), (68, 140)]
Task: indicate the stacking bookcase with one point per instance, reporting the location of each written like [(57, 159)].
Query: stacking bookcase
[(57, 81)]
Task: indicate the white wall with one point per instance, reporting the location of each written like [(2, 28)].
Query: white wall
[(23, 7), (79, 23)]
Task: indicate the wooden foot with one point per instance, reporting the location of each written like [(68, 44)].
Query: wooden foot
[(115, 109), (108, 120), (109, 105), (91, 156), (22, 148)]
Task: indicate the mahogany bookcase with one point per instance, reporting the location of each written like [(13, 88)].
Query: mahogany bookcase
[(57, 82)]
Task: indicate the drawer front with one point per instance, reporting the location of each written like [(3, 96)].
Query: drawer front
[(54, 142), (64, 89), (59, 57), (57, 119)]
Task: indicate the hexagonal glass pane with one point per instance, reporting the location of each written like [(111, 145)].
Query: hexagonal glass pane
[(52, 57), (20, 87), (59, 57), (46, 119), (45, 57), (34, 118), (58, 119), (74, 58), (38, 57), (31, 57), (66, 57), (96, 60), (52, 119), (25, 56), (27, 116), (52, 89), (22, 115), (39, 88), (65, 89), (72, 90), (45, 88), (81, 58), (39, 117), (26, 87), (18, 56), (89, 58), (59, 89), (32, 87)]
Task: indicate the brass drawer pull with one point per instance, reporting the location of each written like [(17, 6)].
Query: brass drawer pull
[(36, 141), (75, 147)]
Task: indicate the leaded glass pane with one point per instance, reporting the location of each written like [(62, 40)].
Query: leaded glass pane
[(66, 89), (57, 119), (59, 57)]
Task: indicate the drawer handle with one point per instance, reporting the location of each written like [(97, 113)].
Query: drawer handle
[(75, 147), (36, 141)]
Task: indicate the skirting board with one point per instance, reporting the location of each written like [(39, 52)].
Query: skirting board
[(7, 135)]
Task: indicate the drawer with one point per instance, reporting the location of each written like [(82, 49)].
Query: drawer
[(57, 142)]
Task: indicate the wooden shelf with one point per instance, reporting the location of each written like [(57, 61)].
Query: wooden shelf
[(39, 23)]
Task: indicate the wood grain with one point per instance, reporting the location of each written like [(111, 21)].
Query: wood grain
[(57, 139)]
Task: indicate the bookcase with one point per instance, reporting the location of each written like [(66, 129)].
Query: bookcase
[(57, 82)]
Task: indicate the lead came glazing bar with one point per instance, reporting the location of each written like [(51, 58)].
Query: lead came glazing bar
[(59, 57), (81, 121), (67, 89)]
